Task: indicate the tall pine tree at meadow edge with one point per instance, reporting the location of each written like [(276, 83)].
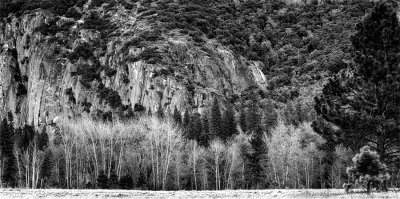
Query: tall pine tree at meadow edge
[(256, 153), (7, 159), (363, 101)]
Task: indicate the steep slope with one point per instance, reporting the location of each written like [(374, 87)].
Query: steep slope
[(118, 58), (107, 63)]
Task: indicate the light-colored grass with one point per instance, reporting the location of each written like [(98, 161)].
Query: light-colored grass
[(276, 193)]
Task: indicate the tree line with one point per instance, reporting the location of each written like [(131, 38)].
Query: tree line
[(155, 153)]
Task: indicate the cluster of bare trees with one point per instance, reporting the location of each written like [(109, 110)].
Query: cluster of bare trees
[(152, 153), (295, 160), (150, 150), (87, 149)]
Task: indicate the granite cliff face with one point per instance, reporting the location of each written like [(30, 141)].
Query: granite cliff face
[(40, 80)]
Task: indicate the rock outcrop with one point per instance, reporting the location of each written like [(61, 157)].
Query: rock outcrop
[(37, 81)]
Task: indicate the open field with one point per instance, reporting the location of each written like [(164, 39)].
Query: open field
[(89, 194)]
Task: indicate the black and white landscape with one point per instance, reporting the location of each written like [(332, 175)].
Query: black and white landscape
[(199, 98)]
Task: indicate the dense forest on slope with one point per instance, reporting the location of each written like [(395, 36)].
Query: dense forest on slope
[(298, 44), (263, 137)]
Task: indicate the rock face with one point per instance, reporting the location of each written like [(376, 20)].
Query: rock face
[(37, 83)]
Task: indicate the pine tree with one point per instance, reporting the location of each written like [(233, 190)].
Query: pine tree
[(215, 120), (270, 118), (255, 154), (186, 124), (57, 140), (363, 101), (253, 117), (186, 119), (43, 140), (6, 156), (195, 127), (229, 124), (243, 120), (46, 167), (367, 167), (160, 112), (177, 116), (366, 105), (255, 158), (205, 135)]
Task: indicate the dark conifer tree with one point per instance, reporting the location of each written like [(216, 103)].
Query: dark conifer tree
[(57, 140), (270, 118), (215, 120), (46, 167), (6, 154), (186, 123), (195, 127), (43, 140), (255, 158), (366, 105), (255, 154), (177, 116), (229, 123), (160, 112), (186, 119), (364, 101), (253, 117), (368, 168), (205, 135)]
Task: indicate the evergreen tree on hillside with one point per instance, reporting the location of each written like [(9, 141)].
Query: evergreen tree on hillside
[(229, 123), (270, 118), (364, 101), (253, 117), (195, 127), (160, 112), (6, 154), (57, 139), (205, 135), (186, 124), (177, 116), (215, 120), (186, 119)]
